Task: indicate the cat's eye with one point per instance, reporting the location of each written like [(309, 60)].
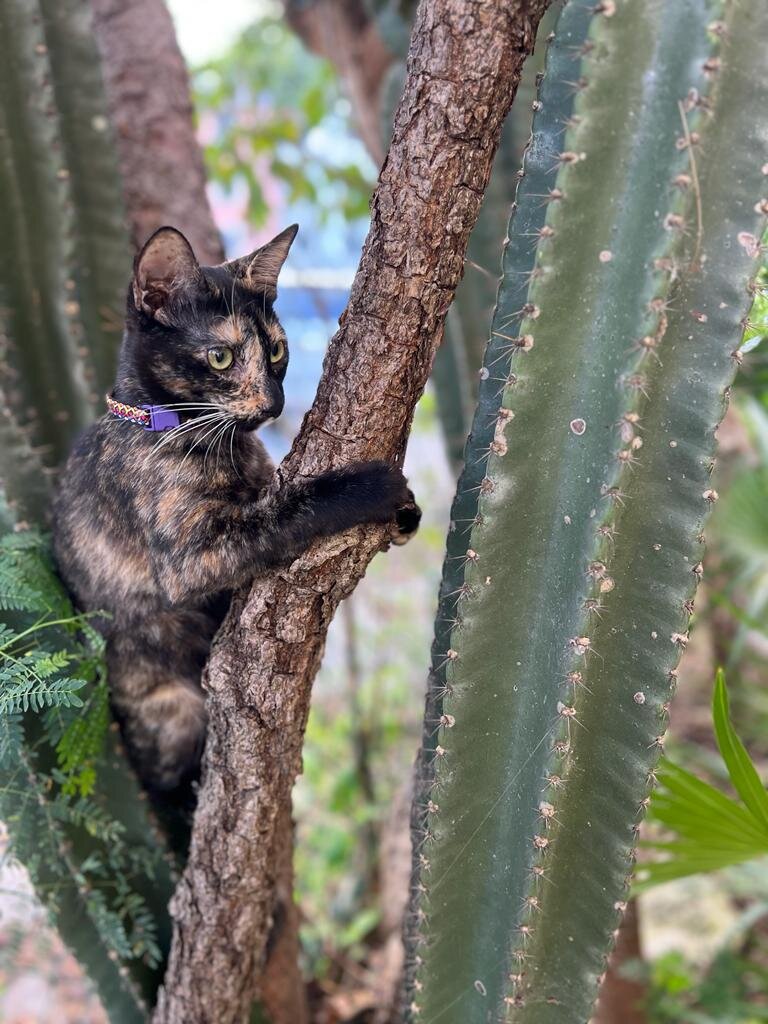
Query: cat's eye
[(220, 358), (277, 351)]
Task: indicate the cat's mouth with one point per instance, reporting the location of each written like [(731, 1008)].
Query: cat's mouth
[(256, 414), (250, 423)]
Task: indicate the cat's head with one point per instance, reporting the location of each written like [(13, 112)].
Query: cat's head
[(206, 334)]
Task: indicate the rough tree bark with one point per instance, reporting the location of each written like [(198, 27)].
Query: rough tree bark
[(344, 33), (147, 90), (463, 70)]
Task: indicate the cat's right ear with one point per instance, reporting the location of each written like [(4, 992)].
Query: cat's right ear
[(166, 265)]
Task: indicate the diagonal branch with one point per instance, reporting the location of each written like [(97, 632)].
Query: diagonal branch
[(463, 70)]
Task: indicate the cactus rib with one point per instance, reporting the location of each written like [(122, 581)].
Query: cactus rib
[(656, 557)]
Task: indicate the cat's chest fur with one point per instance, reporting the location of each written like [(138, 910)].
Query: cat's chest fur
[(123, 490)]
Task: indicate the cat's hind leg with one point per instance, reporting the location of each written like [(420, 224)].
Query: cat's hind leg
[(163, 720)]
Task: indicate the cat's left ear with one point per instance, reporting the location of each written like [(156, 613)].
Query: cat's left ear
[(260, 270)]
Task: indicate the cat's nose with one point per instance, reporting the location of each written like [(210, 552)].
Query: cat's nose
[(268, 411), (275, 407)]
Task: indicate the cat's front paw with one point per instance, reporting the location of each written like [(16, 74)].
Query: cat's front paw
[(369, 492), (407, 519), (404, 515)]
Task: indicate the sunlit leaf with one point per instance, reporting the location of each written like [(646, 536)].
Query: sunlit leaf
[(740, 768)]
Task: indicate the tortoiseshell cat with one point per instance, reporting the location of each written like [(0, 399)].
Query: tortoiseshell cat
[(158, 528)]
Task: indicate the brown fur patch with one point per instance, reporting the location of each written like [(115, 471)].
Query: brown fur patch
[(232, 331), (275, 332)]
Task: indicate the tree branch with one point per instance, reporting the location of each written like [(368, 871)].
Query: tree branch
[(623, 999), (464, 66)]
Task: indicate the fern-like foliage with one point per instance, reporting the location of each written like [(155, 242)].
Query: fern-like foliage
[(76, 817), (51, 660)]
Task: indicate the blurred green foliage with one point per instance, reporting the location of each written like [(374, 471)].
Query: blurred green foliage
[(724, 992), (272, 110)]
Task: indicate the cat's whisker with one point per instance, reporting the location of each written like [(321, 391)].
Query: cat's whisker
[(172, 435), (232, 448), (191, 405), (192, 401), (189, 452), (221, 438), (194, 445), (185, 428), (217, 435), (177, 432), (195, 421)]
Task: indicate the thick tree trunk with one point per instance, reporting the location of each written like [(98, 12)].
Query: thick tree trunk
[(464, 67), (151, 111)]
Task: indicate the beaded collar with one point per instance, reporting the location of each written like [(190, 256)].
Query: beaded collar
[(151, 417)]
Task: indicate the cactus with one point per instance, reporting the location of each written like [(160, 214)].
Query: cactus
[(576, 536), (65, 254), (63, 267)]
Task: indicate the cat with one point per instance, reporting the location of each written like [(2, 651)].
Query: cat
[(157, 524)]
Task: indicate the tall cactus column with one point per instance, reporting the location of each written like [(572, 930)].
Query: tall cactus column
[(65, 256), (576, 535)]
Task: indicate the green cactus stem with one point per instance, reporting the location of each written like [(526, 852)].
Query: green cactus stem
[(65, 254), (576, 532)]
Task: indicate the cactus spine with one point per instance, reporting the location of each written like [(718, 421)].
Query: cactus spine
[(576, 540), (64, 264)]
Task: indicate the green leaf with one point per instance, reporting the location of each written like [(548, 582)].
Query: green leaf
[(686, 791), (658, 872), (713, 831), (740, 768)]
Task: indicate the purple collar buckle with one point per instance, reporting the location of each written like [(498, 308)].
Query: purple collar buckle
[(161, 418)]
